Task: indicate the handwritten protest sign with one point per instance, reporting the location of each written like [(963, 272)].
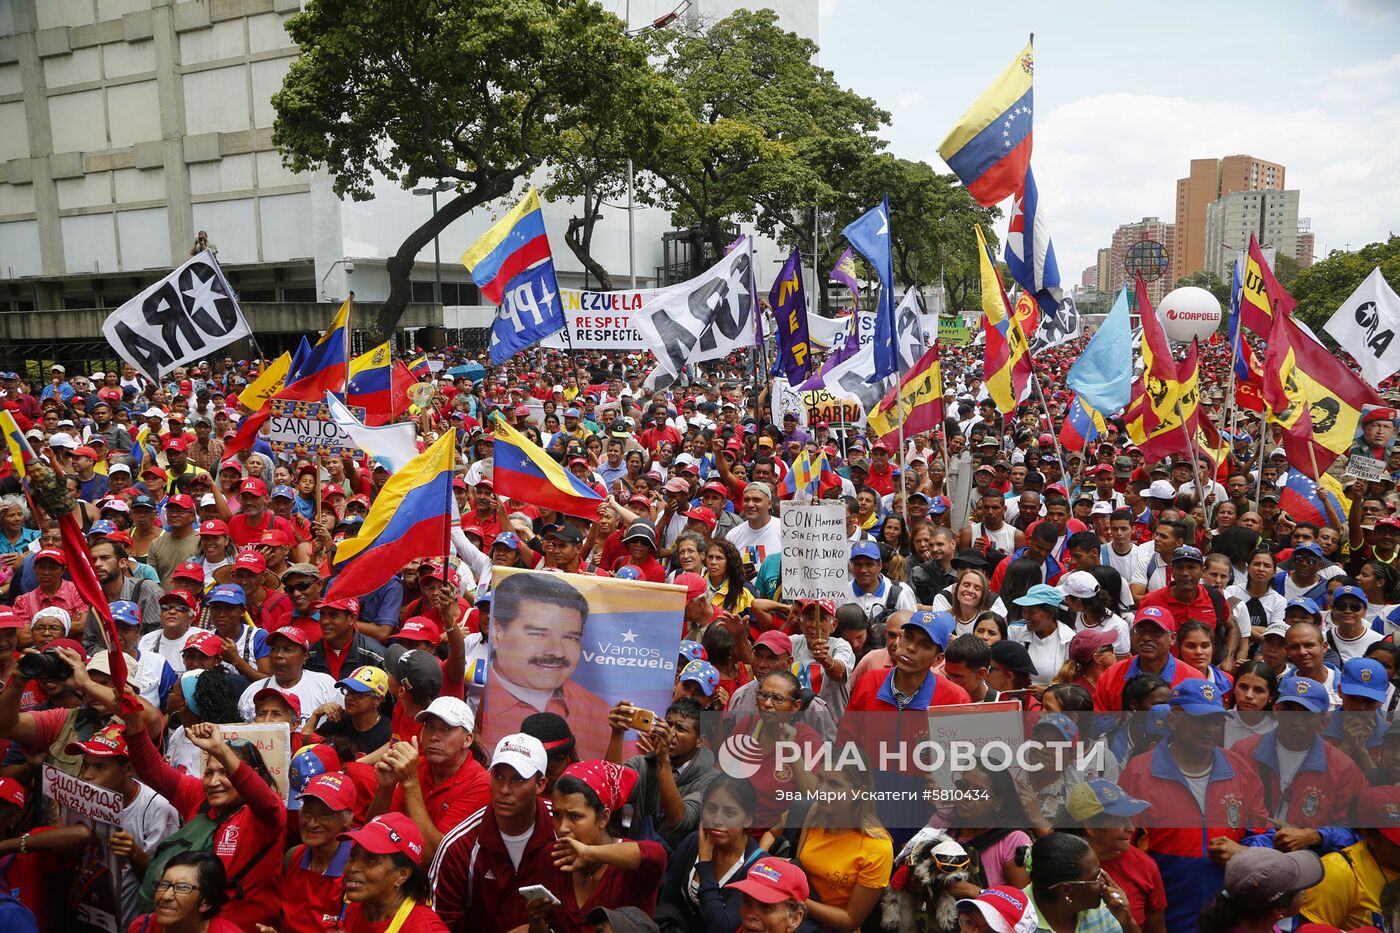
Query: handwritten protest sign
[(80, 797), (306, 427), (815, 552), (273, 740), (787, 398), (978, 723)]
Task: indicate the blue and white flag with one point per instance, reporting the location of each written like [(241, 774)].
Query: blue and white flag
[(390, 445), (1030, 256), (870, 235)]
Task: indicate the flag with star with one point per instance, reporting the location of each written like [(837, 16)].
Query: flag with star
[(1030, 255), (990, 147), (870, 235)]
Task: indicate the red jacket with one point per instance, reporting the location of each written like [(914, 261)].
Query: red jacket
[(1109, 694), (1322, 791), (475, 883)]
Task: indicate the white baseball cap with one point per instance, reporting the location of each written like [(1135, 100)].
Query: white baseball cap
[(1101, 507), (452, 711), (118, 468), (63, 440), (1161, 489), (524, 753)]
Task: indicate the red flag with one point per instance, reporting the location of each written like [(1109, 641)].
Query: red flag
[(85, 581), (401, 380)]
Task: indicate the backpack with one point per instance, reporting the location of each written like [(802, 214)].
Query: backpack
[(889, 607), (196, 835)]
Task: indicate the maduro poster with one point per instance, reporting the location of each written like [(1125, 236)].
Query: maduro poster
[(575, 645)]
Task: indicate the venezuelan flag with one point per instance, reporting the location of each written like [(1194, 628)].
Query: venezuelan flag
[(323, 368), (990, 147), (410, 518), (21, 454), (513, 244), (419, 367), (369, 383), (525, 472), (1082, 426), (1006, 368)]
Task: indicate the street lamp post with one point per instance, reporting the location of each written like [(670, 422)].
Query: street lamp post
[(437, 255)]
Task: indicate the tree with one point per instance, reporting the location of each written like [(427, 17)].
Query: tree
[(764, 134), (1210, 282), (1322, 287), (479, 94)]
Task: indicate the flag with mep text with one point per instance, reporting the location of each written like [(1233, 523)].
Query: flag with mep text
[(512, 265), (1366, 325), (870, 235), (1030, 255), (789, 305), (989, 148), (704, 318)]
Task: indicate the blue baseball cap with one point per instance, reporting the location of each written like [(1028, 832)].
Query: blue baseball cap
[(628, 572), (1304, 603), (938, 505), (1304, 692), (1157, 720), (1309, 548), (702, 673), (126, 612), (573, 413), (228, 594), (867, 549), (283, 492), (938, 626), (507, 539), (1349, 590), (692, 650), (1042, 595), (102, 527), (1363, 677), (1197, 697), (1061, 724), (143, 502), (485, 596)]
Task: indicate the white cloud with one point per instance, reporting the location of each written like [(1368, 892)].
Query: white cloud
[(1111, 159), (908, 101), (1374, 10)]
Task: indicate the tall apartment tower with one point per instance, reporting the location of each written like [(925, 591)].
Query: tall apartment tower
[(1208, 181), (1149, 230)]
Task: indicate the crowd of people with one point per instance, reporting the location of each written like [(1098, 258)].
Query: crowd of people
[(1233, 663)]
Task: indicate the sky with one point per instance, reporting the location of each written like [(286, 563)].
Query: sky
[(1127, 94)]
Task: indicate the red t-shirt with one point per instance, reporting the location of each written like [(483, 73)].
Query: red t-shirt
[(1140, 878), (1201, 608), (245, 534), (422, 919), (311, 900), (452, 801)]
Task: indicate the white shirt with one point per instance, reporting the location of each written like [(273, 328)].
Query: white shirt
[(1236, 729), (941, 603), (874, 601), (1356, 647), (1148, 558), (167, 648), (1271, 601), (1047, 654), (1125, 564), (1122, 643), (755, 544), (836, 693), (313, 689)]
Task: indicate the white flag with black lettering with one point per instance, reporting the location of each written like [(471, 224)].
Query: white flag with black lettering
[(185, 316), (704, 318), (847, 378), (1366, 326)]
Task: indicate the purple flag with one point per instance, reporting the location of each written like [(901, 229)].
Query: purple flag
[(789, 304), (845, 272), (838, 356)]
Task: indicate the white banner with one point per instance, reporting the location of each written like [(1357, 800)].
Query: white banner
[(1365, 326), (816, 551), (599, 320), (848, 377), (188, 315), (307, 427), (80, 797), (705, 318), (787, 399)]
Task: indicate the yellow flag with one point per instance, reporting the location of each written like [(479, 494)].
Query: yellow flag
[(256, 395)]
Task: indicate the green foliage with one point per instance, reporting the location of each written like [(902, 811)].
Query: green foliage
[(762, 135), (478, 93), (1322, 287)]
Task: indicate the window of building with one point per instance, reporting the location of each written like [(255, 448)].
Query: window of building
[(298, 294)]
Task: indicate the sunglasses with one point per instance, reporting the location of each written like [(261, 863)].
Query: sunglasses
[(301, 587)]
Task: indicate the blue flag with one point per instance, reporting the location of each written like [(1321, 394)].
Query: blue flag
[(789, 306), (870, 234), (1236, 341), (1103, 374)]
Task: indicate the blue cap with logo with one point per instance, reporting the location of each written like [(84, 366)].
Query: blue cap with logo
[(1349, 590), (227, 594), (702, 673), (868, 549), (126, 612), (1197, 697), (692, 650), (1304, 692), (938, 626), (1363, 677), (1308, 548), (1061, 724), (283, 492), (1303, 602), (102, 527), (143, 502), (507, 539)]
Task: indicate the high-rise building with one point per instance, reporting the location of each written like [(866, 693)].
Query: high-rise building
[(1271, 217), (1089, 278), (1208, 181), (1149, 244), (1102, 276), (1307, 242)]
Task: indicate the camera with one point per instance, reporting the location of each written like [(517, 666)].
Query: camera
[(46, 665)]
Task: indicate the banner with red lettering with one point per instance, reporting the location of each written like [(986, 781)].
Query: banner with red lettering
[(599, 320)]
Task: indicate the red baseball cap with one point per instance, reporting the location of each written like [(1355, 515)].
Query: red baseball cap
[(176, 443), (694, 584), (348, 603), (233, 465), (332, 788), (52, 553), (213, 527), (107, 742), (486, 483), (205, 642), (180, 501), (10, 619), (773, 881), (418, 628), (332, 489), (275, 537), (254, 485), (185, 599), (11, 791), (704, 515), (250, 560), (388, 833), (473, 529), (292, 634), (459, 483), (154, 470), (189, 571), (291, 699), (1003, 908), (86, 452), (714, 486), (779, 643)]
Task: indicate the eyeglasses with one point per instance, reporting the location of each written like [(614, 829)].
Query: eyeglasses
[(301, 587), (181, 888), (1098, 880), (774, 697), (1346, 606)]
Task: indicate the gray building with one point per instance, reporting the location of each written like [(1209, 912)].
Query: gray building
[(1270, 216)]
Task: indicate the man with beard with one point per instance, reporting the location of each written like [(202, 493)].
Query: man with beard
[(536, 641), (109, 559)]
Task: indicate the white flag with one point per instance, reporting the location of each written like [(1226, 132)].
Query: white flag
[(848, 377), (704, 318), (1061, 327), (185, 316), (1366, 326), (391, 445)]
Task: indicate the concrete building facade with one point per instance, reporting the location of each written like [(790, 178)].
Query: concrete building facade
[(126, 126), (1271, 217), (1207, 181), (1140, 239)]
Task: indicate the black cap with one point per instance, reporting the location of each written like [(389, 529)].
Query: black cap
[(552, 731), (565, 532), (420, 674), (1013, 656), (969, 558)]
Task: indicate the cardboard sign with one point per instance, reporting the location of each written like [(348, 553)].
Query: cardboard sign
[(81, 798), (815, 552), (1375, 438), (786, 399), (978, 723), (273, 741), (952, 331), (307, 428)]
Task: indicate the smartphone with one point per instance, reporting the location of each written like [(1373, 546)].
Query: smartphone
[(642, 720), (538, 892)]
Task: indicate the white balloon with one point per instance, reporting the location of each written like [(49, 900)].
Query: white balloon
[(1189, 312)]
